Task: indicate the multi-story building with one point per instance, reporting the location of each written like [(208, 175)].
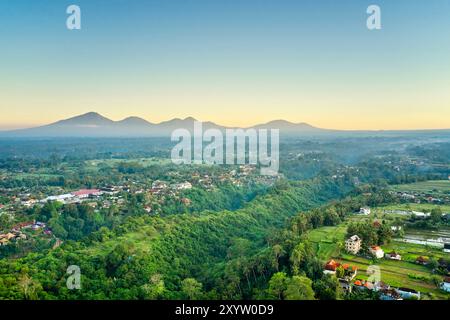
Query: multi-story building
[(353, 244)]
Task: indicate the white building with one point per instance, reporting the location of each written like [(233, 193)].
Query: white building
[(393, 256), (445, 285), (419, 214), (86, 193), (29, 203), (182, 186), (364, 210), (61, 198), (447, 247), (407, 293), (353, 244), (376, 251), (159, 185)]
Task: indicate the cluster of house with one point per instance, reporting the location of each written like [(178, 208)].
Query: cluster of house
[(420, 197), (354, 243), (74, 197), (417, 214), (386, 292), (237, 177), (445, 284), (347, 273), (16, 231), (159, 187), (5, 238)]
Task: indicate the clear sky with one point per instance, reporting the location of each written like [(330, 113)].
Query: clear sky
[(234, 62)]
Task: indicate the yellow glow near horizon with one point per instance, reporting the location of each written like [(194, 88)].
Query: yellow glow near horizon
[(241, 116), (346, 110)]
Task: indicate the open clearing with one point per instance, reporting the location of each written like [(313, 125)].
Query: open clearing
[(433, 186)]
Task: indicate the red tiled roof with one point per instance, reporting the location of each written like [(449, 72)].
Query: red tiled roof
[(332, 265), (84, 192), (23, 224)]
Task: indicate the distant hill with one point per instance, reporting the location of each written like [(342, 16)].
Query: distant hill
[(289, 127), (92, 124)]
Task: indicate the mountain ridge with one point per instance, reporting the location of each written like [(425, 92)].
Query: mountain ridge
[(93, 124)]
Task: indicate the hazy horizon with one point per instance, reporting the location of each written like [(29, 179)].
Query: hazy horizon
[(234, 63), (205, 120)]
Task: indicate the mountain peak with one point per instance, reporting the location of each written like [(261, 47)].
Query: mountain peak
[(134, 121), (87, 119), (287, 125)]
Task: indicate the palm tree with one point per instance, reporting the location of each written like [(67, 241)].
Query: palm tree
[(28, 285)]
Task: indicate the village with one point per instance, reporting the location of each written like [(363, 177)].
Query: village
[(345, 266), (155, 193)]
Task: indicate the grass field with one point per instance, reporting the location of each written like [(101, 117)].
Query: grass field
[(36, 175), (410, 251), (422, 207), (440, 186), (326, 240)]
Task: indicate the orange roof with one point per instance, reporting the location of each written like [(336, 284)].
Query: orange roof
[(347, 267), (332, 265), (358, 283), (375, 248)]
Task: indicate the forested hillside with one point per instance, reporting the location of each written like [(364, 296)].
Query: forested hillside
[(226, 254)]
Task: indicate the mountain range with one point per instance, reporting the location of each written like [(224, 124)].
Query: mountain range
[(93, 124)]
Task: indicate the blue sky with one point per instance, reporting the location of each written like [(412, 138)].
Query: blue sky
[(233, 62)]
